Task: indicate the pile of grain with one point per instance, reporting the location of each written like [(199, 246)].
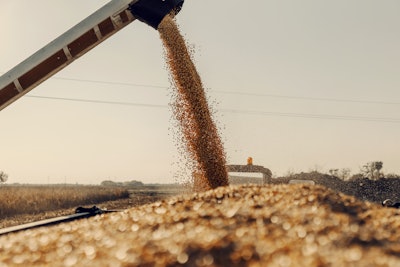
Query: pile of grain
[(202, 144), (272, 225)]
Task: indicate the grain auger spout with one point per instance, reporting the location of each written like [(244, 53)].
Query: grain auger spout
[(152, 12), (79, 40)]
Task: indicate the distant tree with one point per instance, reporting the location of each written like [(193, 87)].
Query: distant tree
[(108, 183), (372, 170), (3, 177), (317, 168), (334, 172), (344, 174), (133, 183), (392, 176), (289, 173), (357, 177)]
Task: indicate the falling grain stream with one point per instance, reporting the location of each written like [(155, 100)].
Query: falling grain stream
[(203, 145)]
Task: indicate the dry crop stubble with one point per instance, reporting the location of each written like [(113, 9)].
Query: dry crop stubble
[(31, 199), (200, 143)]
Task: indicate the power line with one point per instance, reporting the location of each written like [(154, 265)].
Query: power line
[(241, 93), (254, 112), (308, 98), (98, 101), (249, 112), (312, 98), (315, 116), (111, 83)]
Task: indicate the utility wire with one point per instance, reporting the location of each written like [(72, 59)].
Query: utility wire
[(312, 98), (98, 101), (314, 116), (242, 93), (254, 112), (111, 83), (238, 93), (249, 112)]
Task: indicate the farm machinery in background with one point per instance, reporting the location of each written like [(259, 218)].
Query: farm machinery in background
[(248, 168)]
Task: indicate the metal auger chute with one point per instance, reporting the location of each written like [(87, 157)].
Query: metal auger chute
[(80, 39)]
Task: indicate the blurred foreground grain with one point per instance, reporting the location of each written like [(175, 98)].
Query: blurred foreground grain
[(272, 225)]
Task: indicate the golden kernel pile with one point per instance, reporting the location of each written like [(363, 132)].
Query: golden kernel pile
[(272, 225)]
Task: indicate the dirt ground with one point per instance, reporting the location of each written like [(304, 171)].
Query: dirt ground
[(249, 225)]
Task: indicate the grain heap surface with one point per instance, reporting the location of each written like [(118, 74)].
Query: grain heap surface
[(272, 225), (202, 145)]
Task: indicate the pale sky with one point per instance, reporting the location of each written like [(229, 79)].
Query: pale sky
[(297, 85)]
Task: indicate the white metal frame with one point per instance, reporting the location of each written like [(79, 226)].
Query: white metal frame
[(62, 51)]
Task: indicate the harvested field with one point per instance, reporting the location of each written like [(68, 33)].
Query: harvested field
[(31, 199), (20, 204), (27, 203), (272, 225)]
